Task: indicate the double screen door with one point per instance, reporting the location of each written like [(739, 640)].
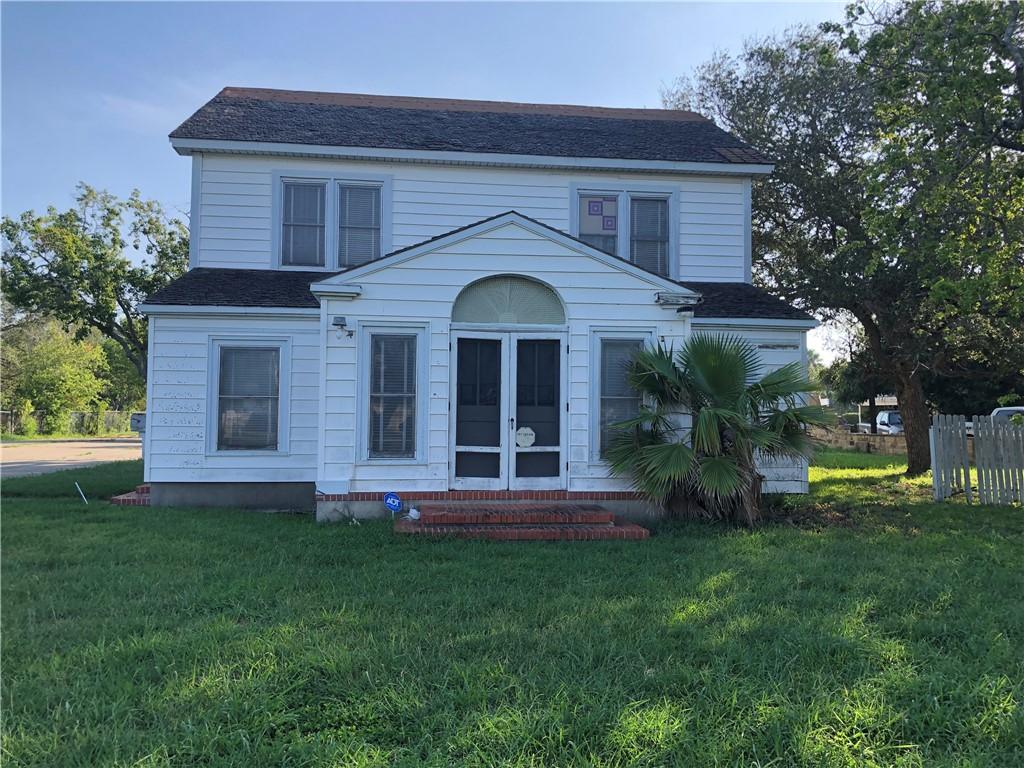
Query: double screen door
[(508, 410)]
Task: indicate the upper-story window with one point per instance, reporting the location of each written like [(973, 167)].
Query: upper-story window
[(599, 222), (327, 222), (358, 224), (303, 227), (648, 234), (633, 225)]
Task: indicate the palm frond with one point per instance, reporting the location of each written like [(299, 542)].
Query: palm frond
[(784, 384), (706, 432), (719, 366), (626, 446), (797, 417), (719, 477), (649, 418), (654, 375), (662, 468)]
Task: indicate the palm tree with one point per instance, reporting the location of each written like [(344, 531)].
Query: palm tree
[(706, 417)]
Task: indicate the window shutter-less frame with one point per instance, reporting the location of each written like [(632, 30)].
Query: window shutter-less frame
[(392, 422), (359, 223), (649, 234), (249, 398), (303, 223), (619, 401)]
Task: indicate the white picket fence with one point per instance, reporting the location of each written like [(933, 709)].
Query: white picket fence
[(998, 459)]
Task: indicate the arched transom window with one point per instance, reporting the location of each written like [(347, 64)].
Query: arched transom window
[(508, 300)]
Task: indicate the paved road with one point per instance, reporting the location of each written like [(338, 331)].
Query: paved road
[(37, 457)]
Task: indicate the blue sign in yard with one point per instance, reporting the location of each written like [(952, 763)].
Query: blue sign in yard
[(392, 502)]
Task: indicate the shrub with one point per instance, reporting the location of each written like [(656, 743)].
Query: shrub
[(27, 424), (56, 422)]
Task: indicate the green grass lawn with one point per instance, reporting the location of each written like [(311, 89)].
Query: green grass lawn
[(867, 626)]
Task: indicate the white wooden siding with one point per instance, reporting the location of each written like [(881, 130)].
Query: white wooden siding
[(423, 289), (234, 210), (178, 411)]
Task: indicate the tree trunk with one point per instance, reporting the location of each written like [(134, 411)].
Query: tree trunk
[(872, 415), (916, 419)]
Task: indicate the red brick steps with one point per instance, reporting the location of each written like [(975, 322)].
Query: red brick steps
[(482, 513), (520, 522), (137, 498)]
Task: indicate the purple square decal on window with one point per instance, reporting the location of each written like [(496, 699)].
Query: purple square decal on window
[(595, 208), (608, 222)]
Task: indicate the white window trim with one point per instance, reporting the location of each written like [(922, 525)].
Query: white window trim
[(364, 332), (332, 180), (217, 343), (624, 193), (647, 334)]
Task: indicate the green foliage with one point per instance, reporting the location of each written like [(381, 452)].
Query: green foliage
[(123, 388), (26, 420), (707, 467), (898, 190), (857, 379), (160, 637), (57, 374), (75, 265)]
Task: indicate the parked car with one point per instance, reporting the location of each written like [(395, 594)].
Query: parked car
[(1000, 415), (886, 422), (889, 423)]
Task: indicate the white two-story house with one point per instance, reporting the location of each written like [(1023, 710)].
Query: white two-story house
[(435, 297)]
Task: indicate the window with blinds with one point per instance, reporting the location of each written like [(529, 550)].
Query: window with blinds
[(303, 228), (648, 234), (392, 425), (619, 401), (249, 398), (359, 216)]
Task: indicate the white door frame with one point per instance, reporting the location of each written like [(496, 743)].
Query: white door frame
[(506, 445), (540, 483)]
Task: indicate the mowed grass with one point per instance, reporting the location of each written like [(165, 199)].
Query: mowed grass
[(867, 627)]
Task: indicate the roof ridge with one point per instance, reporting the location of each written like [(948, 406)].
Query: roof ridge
[(383, 101)]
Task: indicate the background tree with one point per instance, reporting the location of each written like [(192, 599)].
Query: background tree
[(46, 366), (123, 388), (75, 265), (857, 380), (842, 225)]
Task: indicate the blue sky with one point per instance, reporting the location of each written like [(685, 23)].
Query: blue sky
[(91, 90)]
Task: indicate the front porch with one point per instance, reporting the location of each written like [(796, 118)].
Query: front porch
[(490, 361)]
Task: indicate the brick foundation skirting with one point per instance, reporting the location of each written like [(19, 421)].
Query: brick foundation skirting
[(487, 496)]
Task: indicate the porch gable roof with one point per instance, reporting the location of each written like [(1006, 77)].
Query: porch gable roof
[(335, 282)]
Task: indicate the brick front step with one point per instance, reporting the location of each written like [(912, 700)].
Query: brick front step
[(133, 499), (137, 498), (482, 513), (548, 532)]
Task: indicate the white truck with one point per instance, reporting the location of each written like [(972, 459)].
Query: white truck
[(1001, 415), (886, 423)]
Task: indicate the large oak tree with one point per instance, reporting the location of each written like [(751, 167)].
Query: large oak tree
[(897, 196), (76, 265)]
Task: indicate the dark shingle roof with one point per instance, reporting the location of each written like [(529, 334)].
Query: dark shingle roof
[(742, 300), (209, 287), (390, 122)]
